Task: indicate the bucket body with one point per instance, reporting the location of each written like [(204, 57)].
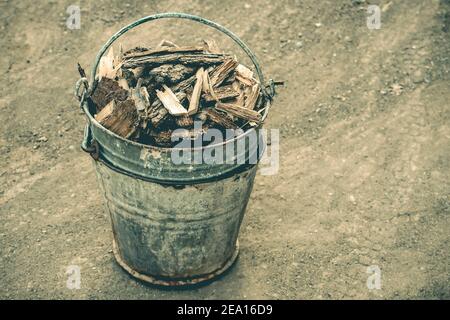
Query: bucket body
[(175, 235)]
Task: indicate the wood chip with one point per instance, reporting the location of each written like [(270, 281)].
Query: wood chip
[(239, 111), (118, 62), (170, 73), (197, 59), (252, 98), (140, 96), (240, 101), (222, 93), (107, 90), (164, 50), (207, 86), (246, 81), (122, 120), (195, 97), (158, 112), (106, 111), (220, 118), (220, 73), (171, 102), (123, 83), (245, 75), (185, 84), (239, 87), (244, 72), (106, 67)]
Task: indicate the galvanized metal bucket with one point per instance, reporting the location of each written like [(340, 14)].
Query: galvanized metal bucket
[(173, 224)]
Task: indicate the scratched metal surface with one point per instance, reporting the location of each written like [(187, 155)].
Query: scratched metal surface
[(175, 232)]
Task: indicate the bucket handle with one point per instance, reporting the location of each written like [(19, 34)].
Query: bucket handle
[(269, 94)]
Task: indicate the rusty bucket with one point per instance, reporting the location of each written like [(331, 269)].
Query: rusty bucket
[(173, 224)]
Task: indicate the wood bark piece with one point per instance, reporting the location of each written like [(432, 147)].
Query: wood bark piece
[(134, 50), (106, 111), (120, 54), (222, 93), (162, 50), (220, 73), (199, 59), (220, 118), (238, 111), (240, 101), (240, 89), (118, 62), (195, 97), (170, 74), (123, 119), (158, 116), (246, 81), (185, 84), (171, 102), (157, 111), (252, 98), (107, 90)]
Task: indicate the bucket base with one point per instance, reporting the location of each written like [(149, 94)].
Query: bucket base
[(179, 281)]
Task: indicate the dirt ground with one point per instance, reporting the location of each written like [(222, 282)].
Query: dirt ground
[(364, 160)]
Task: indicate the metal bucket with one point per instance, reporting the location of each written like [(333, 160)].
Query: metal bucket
[(173, 224)]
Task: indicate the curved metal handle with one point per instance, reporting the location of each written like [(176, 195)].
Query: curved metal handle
[(81, 97), (209, 23)]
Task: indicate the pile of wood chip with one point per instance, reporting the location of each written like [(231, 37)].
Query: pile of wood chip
[(145, 94)]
